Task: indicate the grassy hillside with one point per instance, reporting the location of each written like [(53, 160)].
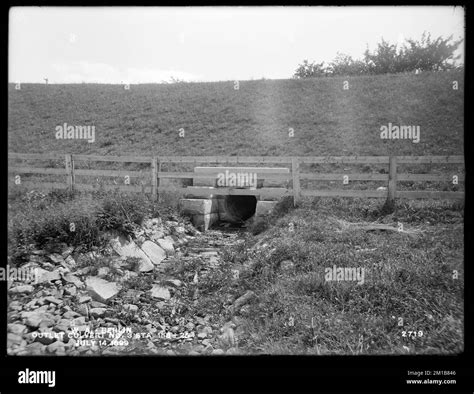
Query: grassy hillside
[(408, 287), (253, 120)]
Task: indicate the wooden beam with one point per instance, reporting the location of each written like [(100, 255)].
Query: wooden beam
[(70, 172), (428, 178), (295, 172), (37, 170), (123, 159), (226, 159), (430, 159), (154, 178), (430, 194), (345, 159), (392, 180), (126, 188), (193, 175), (344, 193), (339, 177), (35, 156), (258, 170), (140, 174), (222, 191)]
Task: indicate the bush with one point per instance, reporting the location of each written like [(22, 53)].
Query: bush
[(43, 221), (426, 55), (121, 213)]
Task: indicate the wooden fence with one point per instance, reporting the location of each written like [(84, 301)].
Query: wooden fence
[(154, 174)]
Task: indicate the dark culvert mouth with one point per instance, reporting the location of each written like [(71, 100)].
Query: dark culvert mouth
[(240, 208)]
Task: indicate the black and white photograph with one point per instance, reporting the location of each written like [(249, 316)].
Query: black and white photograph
[(225, 181)]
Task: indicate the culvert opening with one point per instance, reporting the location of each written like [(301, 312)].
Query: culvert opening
[(240, 208)]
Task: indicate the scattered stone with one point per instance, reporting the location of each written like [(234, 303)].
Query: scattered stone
[(70, 315), (98, 312), (45, 337), (84, 299), (156, 235), (67, 252), (56, 258), (35, 348), (199, 348), (38, 318), (112, 320), (130, 308), (103, 272), (14, 339), (217, 352), (53, 300), (232, 350), (62, 325), (70, 290), (48, 276), (126, 248), (227, 339), (154, 252), (78, 321), (15, 305), (83, 271), (55, 347), (96, 304), (16, 328), (69, 262), (173, 282), (74, 280), (160, 292), (208, 349), (179, 230), (23, 289), (128, 275), (101, 290), (133, 293), (167, 245), (83, 309)]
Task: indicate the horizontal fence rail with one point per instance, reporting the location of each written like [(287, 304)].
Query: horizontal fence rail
[(290, 174)]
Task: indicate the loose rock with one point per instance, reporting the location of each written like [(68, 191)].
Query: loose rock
[(126, 248), (101, 290), (23, 289), (160, 292), (154, 252)]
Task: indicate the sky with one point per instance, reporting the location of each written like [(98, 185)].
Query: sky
[(155, 44)]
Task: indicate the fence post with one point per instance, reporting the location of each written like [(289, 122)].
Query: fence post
[(295, 172), (70, 172), (154, 178), (392, 180)]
